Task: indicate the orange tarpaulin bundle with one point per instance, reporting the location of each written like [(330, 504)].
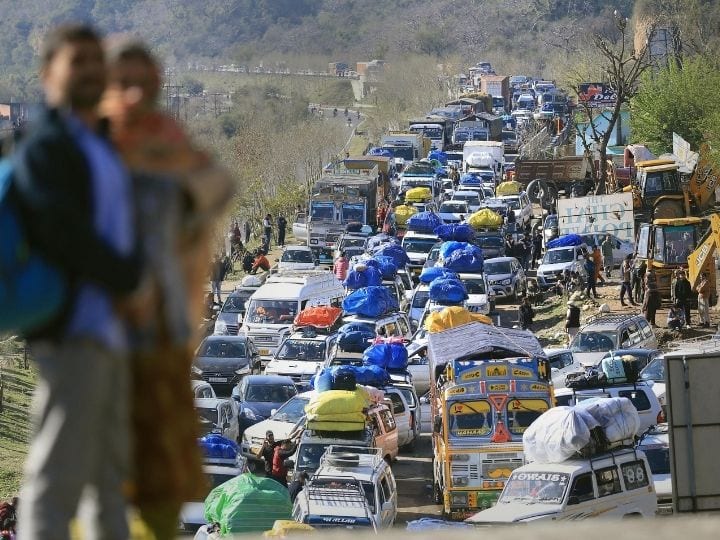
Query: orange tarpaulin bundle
[(452, 316), (319, 316)]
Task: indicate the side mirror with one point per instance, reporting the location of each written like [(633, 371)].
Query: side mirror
[(424, 400), (554, 370), (272, 412), (573, 499)]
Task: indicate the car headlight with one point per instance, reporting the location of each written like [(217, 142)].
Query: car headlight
[(245, 370), (249, 413), (220, 327), (458, 499), (196, 370), (506, 281)]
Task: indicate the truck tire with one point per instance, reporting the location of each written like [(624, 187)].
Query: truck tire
[(536, 190)]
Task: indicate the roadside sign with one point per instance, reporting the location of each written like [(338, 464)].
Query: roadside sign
[(598, 214), (596, 95)]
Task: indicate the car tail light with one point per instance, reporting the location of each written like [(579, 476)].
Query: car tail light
[(661, 419)]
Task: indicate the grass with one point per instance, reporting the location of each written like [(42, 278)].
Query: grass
[(18, 384)]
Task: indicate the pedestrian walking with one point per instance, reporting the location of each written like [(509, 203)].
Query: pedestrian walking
[(682, 291), (526, 314), (247, 228), (77, 198), (607, 247), (639, 271), (591, 283), (572, 316), (267, 452), (626, 273), (536, 249), (703, 290), (651, 300), (267, 232), (217, 276), (180, 193), (281, 225), (340, 267), (598, 262)]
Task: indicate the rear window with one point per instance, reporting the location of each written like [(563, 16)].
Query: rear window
[(397, 402), (638, 397)]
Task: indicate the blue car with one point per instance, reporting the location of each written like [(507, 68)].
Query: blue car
[(257, 396)]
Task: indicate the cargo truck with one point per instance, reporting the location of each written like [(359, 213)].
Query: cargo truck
[(497, 86), (407, 145), (484, 156), (437, 128)]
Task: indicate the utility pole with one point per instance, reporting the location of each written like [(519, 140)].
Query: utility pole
[(172, 100)]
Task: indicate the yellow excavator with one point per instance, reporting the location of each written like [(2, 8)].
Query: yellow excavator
[(703, 258)]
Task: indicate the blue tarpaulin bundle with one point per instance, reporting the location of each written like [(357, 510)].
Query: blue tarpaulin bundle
[(460, 232), (218, 447), (370, 302), (435, 272), (565, 240), (380, 239), (386, 265), (439, 156), (355, 341), (470, 179), (424, 222), (369, 375), (366, 277), (448, 291), (396, 252), (466, 260), (448, 247), (392, 356), (322, 382)]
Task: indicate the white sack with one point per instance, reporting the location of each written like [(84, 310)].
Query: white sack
[(557, 435), (617, 416)]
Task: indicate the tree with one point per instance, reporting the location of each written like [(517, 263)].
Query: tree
[(621, 67)]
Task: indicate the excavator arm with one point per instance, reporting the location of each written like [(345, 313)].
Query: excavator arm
[(702, 259)]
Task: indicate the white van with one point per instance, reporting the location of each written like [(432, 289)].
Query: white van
[(616, 484), (301, 355), (354, 487), (273, 307)]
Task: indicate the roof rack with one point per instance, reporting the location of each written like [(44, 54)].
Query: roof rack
[(342, 456), (334, 491), (610, 317)]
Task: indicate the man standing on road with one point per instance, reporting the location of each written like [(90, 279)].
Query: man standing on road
[(703, 290), (591, 282), (217, 276), (247, 232), (76, 196), (626, 273), (598, 261), (536, 249), (267, 452), (651, 301), (281, 225), (607, 255), (683, 295), (267, 232)]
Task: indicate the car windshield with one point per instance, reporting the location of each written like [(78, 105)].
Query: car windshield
[(475, 286), (654, 371), (420, 299), (292, 411), (270, 393), (453, 207), (658, 457), (497, 267), (418, 245), (297, 256), (551, 221), (555, 256), (236, 302), (470, 418), (302, 349), (490, 242), (471, 198), (590, 341), (272, 311), (539, 487), (218, 348), (353, 242)]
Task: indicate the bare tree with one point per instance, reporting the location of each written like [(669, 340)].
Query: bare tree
[(621, 65)]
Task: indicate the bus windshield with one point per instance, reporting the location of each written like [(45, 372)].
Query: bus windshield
[(470, 418)]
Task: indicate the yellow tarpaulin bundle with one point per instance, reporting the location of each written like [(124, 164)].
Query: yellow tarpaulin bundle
[(284, 527), (508, 188), (452, 316), (403, 213), (484, 219), (418, 194), (338, 402)]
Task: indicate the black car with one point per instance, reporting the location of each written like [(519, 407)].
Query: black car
[(224, 360), (258, 396), (491, 243)]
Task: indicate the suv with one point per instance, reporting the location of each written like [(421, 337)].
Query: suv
[(417, 246), (557, 260), (394, 324), (297, 258), (505, 277), (353, 487), (406, 410), (611, 485), (640, 394), (481, 297), (301, 355), (233, 311), (521, 206), (353, 244), (608, 332)]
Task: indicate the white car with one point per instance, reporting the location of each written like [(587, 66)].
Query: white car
[(472, 198), (417, 246), (301, 355), (656, 446), (521, 206), (621, 248), (654, 375), (453, 211), (218, 415), (481, 297), (420, 298), (562, 362), (557, 260), (297, 258)]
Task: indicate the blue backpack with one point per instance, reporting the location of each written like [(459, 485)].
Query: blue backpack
[(32, 291)]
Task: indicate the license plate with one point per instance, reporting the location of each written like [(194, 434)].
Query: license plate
[(217, 379), (264, 352)]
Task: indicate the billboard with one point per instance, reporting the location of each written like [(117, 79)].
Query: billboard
[(596, 95), (598, 214)]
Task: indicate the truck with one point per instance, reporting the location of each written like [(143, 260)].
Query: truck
[(483, 127), (497, 86), (484, 156), (437, 128), (407, 145), (487, 385)]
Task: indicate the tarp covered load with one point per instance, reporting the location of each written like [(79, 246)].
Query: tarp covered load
[(251, 281), (592, 426), (424, 222), (511, 187), (448, 291), (355, 337), (318, 316), (460, 232), (439, 156), (370, 302), (363, 276), (386, 265), (468, 179), (395, 251), (338, 410), (218, 447), (434, 272), (390, 356), (446, 248), (374, 242), (467, 260), (452, 316), (403, 213), (247, 503), (566, 240), (418, 194), (485, 219)]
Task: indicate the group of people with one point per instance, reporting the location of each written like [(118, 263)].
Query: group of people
[(274, 454), (115, 195), (267, 225)]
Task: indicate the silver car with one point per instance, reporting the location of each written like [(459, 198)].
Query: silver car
[(505, 276)]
